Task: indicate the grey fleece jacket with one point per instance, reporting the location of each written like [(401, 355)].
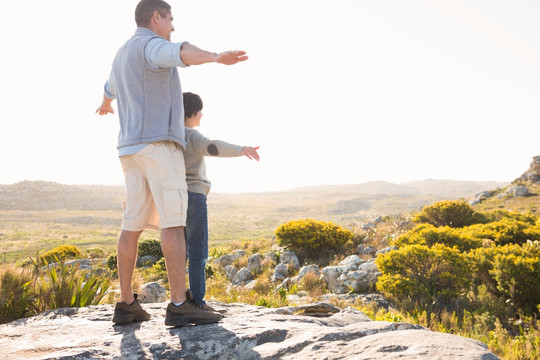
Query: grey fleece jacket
[(198, 146)]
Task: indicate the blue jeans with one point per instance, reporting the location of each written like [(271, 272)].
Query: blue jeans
[(197, 244)]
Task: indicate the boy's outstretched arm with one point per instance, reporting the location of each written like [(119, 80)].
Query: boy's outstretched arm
[(106, 106), (250, 152)]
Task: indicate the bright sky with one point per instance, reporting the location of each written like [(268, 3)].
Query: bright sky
[(334, 92)]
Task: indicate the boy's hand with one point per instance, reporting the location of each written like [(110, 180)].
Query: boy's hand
[(105, 107), (250, 152)]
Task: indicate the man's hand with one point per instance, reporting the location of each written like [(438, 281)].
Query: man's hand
[(250, 152), (105, 107), (231, 57)]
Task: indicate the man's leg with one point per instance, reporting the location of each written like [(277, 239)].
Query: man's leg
[(127, 309), (126, 257), (173, 246)]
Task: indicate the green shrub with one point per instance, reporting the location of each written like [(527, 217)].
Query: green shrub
[(513, 273), (150, 247), (66, 286), (429, 235), (15, 296), (454, 214), (417, 276), (95, 253), (61, 252), (25, 293), (112, 261), (312, 236), (508, 230)]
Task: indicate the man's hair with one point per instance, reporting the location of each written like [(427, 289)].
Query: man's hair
[(192, 104), (145, 10)]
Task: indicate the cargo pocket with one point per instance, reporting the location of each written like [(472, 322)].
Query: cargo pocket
[(174, 197)]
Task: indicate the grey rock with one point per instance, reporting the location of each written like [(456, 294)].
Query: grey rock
[(152, 292), (305, 270), (242, 276), (230, 271), (316, 331), (533, 173), (353, 260), (517, 190), (290, 258), (229, 258), (385, 250), (369, 250), (147, 260), (83, 263), (255, 262), (481, 196), (280, 272), (368, 266)]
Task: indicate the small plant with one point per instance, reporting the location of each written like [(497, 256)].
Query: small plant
[(150, 247), (112, 261), (61, 252)]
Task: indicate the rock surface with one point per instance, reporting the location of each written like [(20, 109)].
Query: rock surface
[(315, 331)]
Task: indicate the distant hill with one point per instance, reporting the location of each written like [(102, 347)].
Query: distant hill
[(451, 188), (44, 195)]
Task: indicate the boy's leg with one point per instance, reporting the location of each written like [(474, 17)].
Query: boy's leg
[(197, 243)]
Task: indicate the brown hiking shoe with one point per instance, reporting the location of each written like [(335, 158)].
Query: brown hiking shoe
[(189, 313), (126, 314)]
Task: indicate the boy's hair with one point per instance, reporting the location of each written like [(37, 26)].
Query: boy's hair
[(145, 10), (192, 104)]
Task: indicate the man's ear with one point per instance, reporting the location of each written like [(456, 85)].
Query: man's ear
[(155, 17)]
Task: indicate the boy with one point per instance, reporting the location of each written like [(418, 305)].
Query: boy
[(198, 146)]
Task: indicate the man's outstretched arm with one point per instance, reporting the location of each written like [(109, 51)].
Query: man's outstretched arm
[(192, 55)]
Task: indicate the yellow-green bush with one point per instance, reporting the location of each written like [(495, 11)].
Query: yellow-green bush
[(507, 230), (429, 235), (512, 272), (60, 253), (454, 214), (311, 235), (417, 276)]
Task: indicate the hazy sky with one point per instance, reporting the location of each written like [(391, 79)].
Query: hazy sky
[(335, 92)]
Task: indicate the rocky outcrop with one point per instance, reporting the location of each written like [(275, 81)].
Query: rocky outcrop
[(314, 331), (533, 173)]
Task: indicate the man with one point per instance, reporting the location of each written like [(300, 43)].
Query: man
[(144, 80)]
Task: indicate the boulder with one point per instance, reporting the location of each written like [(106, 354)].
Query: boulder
[(280, 272), (228, 259), (305, 270), (152, 292), (242, 276), (255, 262), (312, 331), (290, 258)]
